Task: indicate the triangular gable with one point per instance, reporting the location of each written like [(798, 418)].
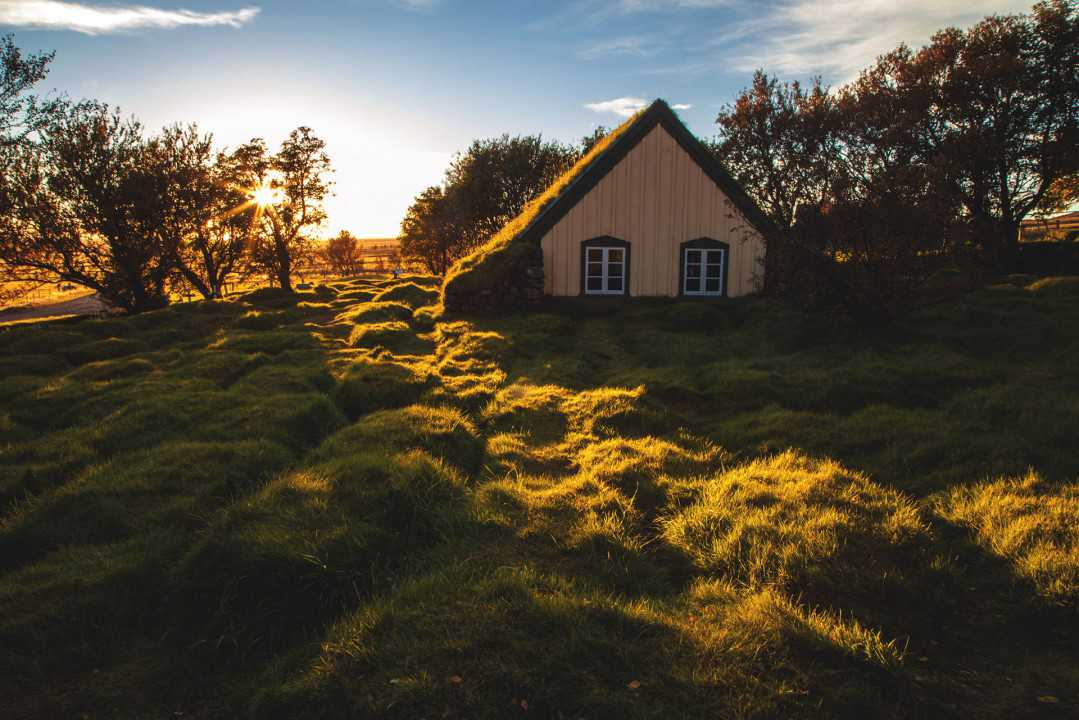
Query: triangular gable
[(658, 113)]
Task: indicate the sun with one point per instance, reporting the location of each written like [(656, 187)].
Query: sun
[(266, 195)]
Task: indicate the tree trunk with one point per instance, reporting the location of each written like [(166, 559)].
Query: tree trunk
[(1004, 245), (1011, 243), (284, 271), (202, 288), (284, 262)]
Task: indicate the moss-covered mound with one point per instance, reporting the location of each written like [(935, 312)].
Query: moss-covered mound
[(410, 293), (228, 510)]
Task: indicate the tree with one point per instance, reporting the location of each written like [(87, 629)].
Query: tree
[(342, 253), (220, 248), (781, 142), (589, 141), (194, 205), (491, 182), (778, 140), (21, 114), (1061, 195), (217, 248), (428, 234), (926, 155), (296, 181), (484, 188), (991, 113), (73, 208)]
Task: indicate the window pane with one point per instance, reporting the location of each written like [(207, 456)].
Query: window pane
[(595, 254), (714, 271), (711, 286), (595, 283), (615, 255), (614, 269), (595, 269), (693, 271), (693, 256), (614, 283), (693, 285)]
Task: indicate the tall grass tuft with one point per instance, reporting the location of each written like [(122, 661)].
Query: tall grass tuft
[(1031, 522)]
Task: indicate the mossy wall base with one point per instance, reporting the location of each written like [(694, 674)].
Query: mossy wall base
[(508, 278)]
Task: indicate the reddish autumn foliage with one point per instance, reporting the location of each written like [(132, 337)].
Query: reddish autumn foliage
[(932, 153)]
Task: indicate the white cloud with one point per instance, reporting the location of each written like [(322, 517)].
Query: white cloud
[(98, 19), (840, 37), (624, 106)]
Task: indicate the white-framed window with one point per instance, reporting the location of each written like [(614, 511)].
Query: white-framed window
[(604, 270), (702, 271)]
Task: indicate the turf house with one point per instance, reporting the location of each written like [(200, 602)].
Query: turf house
[(648, 211)]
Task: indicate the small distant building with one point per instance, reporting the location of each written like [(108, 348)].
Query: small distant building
[(648, 212)]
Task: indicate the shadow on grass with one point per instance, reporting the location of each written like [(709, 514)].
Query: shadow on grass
[(280, 507)]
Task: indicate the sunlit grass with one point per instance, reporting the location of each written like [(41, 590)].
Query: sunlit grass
[(781, 520), (345, 503), (1032, 523)]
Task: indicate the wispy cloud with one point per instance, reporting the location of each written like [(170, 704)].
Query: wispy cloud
[(590, 13), (637, 45), (840, 37), (789, 38), (626, 106), (637, 6), (423, 5), (99, 19)]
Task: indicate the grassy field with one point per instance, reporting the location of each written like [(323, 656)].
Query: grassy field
[(337, 504)]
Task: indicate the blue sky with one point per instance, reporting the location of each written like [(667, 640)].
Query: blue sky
[(397, 86)]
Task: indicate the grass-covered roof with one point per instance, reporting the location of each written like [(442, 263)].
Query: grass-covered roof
[(519, 238)]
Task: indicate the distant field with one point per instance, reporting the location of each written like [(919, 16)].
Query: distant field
[(373, 249), (379, 242), (42, 295), (338, 504)]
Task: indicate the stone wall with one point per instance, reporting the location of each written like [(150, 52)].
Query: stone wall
[(514, 289)]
